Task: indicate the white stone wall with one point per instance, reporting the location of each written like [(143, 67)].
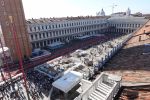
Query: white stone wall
[(126, 24), (47, 33), (43, 34)]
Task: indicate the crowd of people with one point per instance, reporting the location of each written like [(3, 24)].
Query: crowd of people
[(39, 84), (12, 90)]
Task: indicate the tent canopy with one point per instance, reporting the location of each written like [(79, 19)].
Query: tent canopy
[(55, 44), (4, 48), (83, 37), (68, 81)]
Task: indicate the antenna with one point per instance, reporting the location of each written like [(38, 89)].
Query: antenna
[(113, 6)]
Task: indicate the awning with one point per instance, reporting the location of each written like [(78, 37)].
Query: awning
[(68, 81), (83, 37), (55, 44)]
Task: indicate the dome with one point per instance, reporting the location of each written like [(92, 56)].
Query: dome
[(102, 13), (128, 12)]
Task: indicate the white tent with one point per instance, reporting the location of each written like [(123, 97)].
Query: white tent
[(68, 81), (83, 37), (55, 44), (4, 48)]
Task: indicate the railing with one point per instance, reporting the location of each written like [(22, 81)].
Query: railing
[(85, 95), (92, 88), (114, 91), (116, 87), (88, 91), (113, 51)]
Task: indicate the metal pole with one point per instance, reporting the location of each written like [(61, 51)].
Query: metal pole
[(19, 54)]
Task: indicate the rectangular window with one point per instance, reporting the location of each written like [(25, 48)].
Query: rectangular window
[(36, 36), (50, 26), (62, 31), (30, 28), (35, 28), (42, 27), (43, 35), (40, 36), (47, 34), (50, 34), (31, 37), (56, 33), (39, 28)]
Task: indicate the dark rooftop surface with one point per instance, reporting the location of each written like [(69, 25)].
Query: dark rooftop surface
[(133, 66), (57, 19)]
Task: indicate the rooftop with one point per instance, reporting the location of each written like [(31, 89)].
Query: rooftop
[(130, 19), (132, 64), (82, 60), (47, 20)]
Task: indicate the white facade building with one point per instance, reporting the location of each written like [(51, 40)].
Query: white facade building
[(125, 24), (46, 31)]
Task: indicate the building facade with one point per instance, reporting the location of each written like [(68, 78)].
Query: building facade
[(39, 33), (126, 24), (13, 25), (44, 31)]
